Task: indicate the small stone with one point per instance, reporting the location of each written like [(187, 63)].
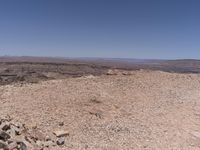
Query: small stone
[(5, 126), (22, 145), (4, 136), (3, 145), (31, 144), (47, 138), (60, 141), (9, 141), (98, 114), (32, 125), (18, 125), (11, 133), (111, 72), (196, 134), (17, 138), (12, 146), (38, 135), (28, 139), (61, 133), (48, 144), (16, 129), (61, 123), (40, 143)]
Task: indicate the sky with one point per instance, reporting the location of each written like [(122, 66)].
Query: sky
[(145, 29)]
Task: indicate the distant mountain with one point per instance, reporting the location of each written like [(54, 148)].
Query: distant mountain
[(179, 65)]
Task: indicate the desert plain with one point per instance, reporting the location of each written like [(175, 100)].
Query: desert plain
[(105, 108)]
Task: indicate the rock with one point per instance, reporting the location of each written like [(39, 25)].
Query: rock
[(12, 146), (22, 145), (95, 100), (61, 123), (126, 73), (37, 135), (9, 141), (4, 136), (3, 145), (11, 133), (97, 113), (18, 125), (40, 143), (49, 144), (17, 136), (196, 134), (31, 125), (61, 133), (29, 140), (60, 141), (16, 129), (5, 126), (111, 72), (90, 77), (8, 118), (47, 138)]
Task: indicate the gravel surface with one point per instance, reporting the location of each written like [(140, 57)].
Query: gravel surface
[(150, 110)]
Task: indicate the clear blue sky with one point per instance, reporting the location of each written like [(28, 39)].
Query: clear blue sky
[(101, 28)]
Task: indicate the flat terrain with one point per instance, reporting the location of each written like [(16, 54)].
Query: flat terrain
[(114, 106)]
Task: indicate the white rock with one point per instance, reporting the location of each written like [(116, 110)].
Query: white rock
[(60, 141), (61, 133)]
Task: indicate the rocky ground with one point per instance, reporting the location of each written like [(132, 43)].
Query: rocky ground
[(16, 136), (151, 110)]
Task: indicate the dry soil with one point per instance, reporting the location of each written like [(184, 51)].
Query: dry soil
[(150, 110)]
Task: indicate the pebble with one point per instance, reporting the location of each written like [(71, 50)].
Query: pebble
[(61, 123), (60, 141)]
